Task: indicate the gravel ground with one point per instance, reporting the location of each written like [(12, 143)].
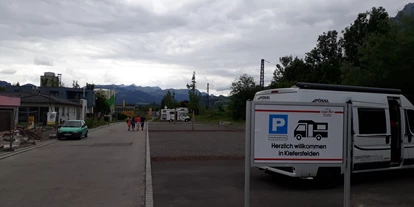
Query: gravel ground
[(207, 169), (221, 183), (45, 137), (198, 145), (185, 126)]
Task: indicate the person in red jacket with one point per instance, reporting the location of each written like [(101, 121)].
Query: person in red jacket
[(129, 123), (138, 121)]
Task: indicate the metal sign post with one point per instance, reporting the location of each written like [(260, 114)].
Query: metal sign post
[(247, 155), (11, 130), (348, 159), (192, 123)]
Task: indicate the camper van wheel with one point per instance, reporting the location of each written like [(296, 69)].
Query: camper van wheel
[(327, 178), (298, 137), (318, 137)]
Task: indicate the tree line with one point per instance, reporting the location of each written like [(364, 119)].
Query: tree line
[(375, 50)]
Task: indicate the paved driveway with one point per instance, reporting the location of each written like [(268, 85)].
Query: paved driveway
[(105, 169)]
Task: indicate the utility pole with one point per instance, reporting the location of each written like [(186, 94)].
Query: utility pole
[(208, 95), (192, 125), (262, 74)]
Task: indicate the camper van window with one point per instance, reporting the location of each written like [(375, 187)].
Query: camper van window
[(372, 121), (410, 118)]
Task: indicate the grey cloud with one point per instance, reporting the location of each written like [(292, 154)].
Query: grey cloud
[(58, 19), (43, 61), (8, 71), (222, 89), (218, 39)]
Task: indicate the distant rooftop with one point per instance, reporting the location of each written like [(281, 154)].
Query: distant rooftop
[(39, 98)]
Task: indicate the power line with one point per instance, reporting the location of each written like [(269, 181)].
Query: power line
[(270, 62)]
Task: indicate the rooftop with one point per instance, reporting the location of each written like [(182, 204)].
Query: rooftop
[(51, 88), (38, 98), (126, 105)]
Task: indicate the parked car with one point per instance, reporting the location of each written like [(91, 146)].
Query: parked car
[(73, 129)]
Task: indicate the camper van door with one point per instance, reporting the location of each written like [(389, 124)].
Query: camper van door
[(371, 128), (409, 136)]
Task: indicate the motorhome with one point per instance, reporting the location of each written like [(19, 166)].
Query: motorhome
[(171, 114), (382, 127), (167, 114)]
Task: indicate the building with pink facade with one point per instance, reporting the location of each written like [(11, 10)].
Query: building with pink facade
[(9, 112)]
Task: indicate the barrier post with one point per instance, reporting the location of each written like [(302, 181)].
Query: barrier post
[(247, 155)]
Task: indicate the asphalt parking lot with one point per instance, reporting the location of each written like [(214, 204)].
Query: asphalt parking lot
[(206, 168)]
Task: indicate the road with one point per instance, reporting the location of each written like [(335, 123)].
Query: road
[(105, 169)]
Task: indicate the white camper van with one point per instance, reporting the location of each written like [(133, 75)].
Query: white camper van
[(170, 115), (382, 127), (167, 115)]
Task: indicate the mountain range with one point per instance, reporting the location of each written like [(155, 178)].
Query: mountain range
[(148, 94), (133, 94)]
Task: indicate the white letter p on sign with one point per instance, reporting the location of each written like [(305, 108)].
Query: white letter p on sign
[(277, 122)]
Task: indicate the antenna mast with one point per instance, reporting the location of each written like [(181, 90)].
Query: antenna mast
[(262, 74), (208, 95)]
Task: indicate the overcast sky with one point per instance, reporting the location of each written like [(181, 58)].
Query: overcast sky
[(160, 42)]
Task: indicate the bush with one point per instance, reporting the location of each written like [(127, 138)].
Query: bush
[(91, 123), (214, 115), (122, 116)]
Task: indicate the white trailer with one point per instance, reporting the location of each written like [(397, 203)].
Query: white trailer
[(167, 114), (171, 114), (182, 116), (382, 124)]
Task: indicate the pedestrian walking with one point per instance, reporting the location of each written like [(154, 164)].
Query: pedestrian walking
[(129, 123), (133, 123), (138, 122), (142, 122)]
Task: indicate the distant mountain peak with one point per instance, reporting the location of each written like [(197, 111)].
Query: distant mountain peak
[(408, 10), (4, 83)]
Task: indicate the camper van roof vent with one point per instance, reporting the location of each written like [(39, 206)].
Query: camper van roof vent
[(332, 87)]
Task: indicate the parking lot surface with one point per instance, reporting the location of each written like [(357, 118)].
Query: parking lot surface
[(106, 169), (207, 169)]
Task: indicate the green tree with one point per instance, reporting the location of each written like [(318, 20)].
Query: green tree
[(100, 104), (90, 86), (241, 91), (321, 65), (367, 23), (386, 59), (289, 71), (325, 59), (75, 84), (169, 100), (194, 95)]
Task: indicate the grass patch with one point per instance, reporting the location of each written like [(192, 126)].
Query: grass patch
[(91, 123), (211, 118)]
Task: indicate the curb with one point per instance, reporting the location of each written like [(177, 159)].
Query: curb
[(94, 129), (149, 200), (27, 149), (40, 145)]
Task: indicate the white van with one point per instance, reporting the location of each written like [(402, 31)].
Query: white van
[(382, 127)]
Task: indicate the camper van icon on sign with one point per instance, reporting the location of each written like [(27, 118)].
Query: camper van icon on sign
[(311, 129)]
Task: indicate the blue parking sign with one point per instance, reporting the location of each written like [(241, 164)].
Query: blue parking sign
[(278, 124)]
